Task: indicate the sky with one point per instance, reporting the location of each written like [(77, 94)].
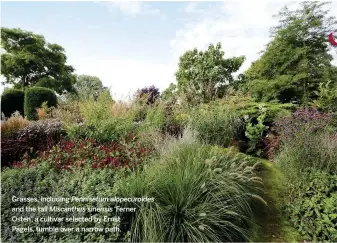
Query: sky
[(129, 45)]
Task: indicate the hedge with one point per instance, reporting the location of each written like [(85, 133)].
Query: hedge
[(11, 101), (34, 98)]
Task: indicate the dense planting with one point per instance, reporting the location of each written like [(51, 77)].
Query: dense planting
[(223, 157)]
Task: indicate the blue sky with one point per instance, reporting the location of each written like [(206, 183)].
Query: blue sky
[(129, 45)]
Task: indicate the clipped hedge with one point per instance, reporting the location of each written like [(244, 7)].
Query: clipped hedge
[(34, 98), (12, 100)]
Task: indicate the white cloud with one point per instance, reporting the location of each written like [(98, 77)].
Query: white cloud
[(132, 8), (242, 27)]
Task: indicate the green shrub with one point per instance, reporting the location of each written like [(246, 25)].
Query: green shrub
[(200, 196), (12, 100), (155, 118), (215, 124), (308, 159), (96, 111), (313, 206), (100, 121), (43, 181), (34, 97), (254, 132), (327, 97), (246, 106), (24, 183), (102, 131)]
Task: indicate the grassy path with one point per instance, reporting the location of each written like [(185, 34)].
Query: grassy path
[(273, 226)]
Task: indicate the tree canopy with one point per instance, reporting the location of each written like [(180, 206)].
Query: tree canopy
[(296, 61), (89, 86), (201, 74), (29, 60)]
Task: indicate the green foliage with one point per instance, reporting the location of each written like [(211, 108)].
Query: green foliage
[(254, 132), (99, 122), (272, 224), (327, 97), (313, 207), (202, 73), (34, 97), (103, 131), (200, 196), (308, 159), (246, 106), (308, 148), (297, 59), (215, 124), (96, 111), (12, 100), (169, 92), (29, 60), (88, 87), (43, 181), (155, 118)]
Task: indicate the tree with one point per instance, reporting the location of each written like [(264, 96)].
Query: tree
[(88, 87), (151, 94), (296, 61), (28, 59), (169, 92), (201, 74)]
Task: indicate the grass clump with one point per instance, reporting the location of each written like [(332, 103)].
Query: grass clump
[(215, 124), (199, 194), (13, 124)]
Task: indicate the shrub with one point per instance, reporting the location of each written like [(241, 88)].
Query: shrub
[(307, 141), (36, 136), (43, 181), (37, 131), (12, 100), (34, 97), (13, 149), (151, 94), (66, 113), (13, 124), (103, 131), (70, 154), (255, 132), (313, 207), (28, 182), (215, 124), (155, 118), (96, 111), (199, 197), (327, 97), (246, 106)]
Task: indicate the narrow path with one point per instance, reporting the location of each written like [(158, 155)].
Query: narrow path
[(273, 226)]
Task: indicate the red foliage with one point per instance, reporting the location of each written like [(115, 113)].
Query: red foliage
[(73, 154)]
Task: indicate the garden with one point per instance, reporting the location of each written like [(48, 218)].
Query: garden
[(225, 158)]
